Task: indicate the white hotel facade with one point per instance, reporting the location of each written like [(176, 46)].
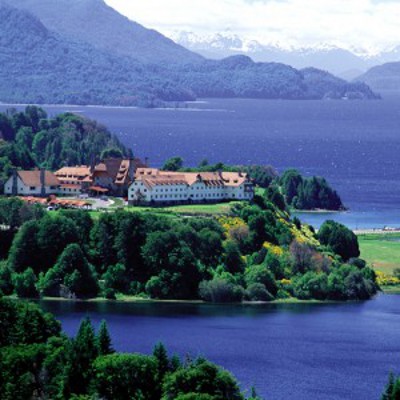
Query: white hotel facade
[(152, 186)]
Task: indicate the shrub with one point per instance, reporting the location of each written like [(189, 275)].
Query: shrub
[(340, 239), (6, 283), (258, 292), (201, 377), (126, 376), (311, 286), (220, 291), (261, 274), (25, 284), (155, 288), (109, 294)]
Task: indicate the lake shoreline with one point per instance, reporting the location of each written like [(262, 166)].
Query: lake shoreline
[(139, 300)]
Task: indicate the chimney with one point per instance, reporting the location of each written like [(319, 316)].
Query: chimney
[(14, 190), (42, 182), (131, 169), (92, 163)]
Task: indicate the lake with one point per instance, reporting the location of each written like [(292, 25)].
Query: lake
[(354, 144), (299, 351)]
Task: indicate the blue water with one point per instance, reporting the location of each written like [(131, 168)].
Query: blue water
[(354, 144), (302, 352)]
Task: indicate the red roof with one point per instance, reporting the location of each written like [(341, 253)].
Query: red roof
[(98, 189)]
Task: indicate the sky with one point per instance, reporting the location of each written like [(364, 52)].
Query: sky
[(371, 25)]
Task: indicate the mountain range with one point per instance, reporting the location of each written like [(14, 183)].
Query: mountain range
[(383, 78), (97, 24), (84, 52), (348, 64)]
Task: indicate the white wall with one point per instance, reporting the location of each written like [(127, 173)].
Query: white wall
[(23, 190), (198, 192)]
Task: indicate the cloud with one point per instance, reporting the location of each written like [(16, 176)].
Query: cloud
[(369, 24)]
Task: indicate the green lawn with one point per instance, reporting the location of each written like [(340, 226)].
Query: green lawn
[(213, 209), (381, 250), (193, 209)]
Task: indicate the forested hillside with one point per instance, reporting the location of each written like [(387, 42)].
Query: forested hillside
[(30, 139), (95, 23), (42, 66), (38, 66), (239, 76), (257, 252), (384, 77), (37, 361)]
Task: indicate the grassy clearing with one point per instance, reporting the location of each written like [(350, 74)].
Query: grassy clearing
[(193, 209), (212, 209), (381, 250)]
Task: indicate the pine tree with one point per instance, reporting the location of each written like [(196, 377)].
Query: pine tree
[(104, 344), (388, 393), (161, 355), (82, 354)]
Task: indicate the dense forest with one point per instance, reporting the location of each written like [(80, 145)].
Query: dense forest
[(30, 139), (256, 253), (38, 362), (40, 66)]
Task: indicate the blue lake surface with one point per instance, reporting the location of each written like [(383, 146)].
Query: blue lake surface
[(302, 352), (354, 144)]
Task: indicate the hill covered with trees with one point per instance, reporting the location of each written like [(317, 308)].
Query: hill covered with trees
[(256, 253), (30, 139), (39, 66), (48, 57), (37, 361), (385, 77), (96, 23)]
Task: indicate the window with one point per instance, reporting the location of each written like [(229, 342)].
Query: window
[(32, 188)]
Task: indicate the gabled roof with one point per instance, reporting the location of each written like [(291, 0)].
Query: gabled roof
[(32, 178), (153, 176), (117, 169), (79, 171)]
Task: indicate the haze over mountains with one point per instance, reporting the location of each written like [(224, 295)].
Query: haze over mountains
[(94, 22), (84, 52), (342, 62), (383, 78)]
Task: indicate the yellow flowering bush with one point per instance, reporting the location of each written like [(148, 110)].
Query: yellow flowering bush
[(275, 250), (234, 227), (304, 235), (386, 280)]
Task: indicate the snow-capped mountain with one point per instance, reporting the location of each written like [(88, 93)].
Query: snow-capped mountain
[(343, 62)]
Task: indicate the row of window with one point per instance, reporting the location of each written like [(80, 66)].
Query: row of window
[(198, 196)]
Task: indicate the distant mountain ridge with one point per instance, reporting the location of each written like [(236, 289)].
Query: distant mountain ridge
[(95, 23), (39, 65), (384, 78), (345, 63)]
